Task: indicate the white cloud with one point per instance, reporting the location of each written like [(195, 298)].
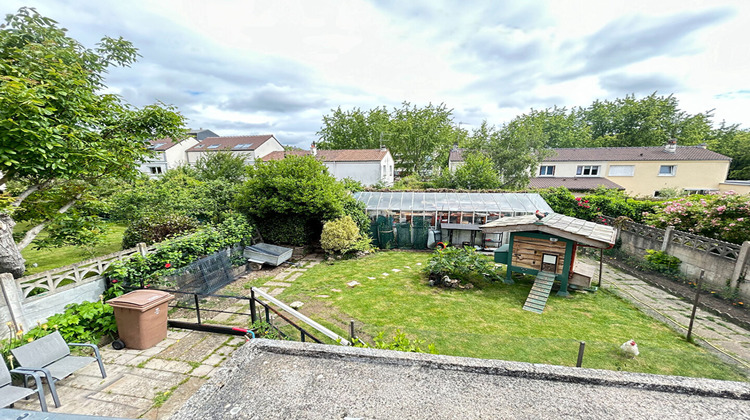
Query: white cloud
[(250, 66)]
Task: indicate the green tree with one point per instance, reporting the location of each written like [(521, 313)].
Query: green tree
[(221, 165), (418, 137), (515, 150), (730, 140), (57, 129), (648, 121), (289, 199)]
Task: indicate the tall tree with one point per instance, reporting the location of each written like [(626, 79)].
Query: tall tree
[(515, 150), (730, 140), (58, 131), (418, 137)]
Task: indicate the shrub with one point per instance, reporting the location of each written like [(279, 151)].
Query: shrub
[(178, 252), (602, 201), (662, 262), (152, 229), (340, 235), (463, 264), (724, 216)]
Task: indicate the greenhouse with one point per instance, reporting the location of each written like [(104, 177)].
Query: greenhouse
[(418, 219)]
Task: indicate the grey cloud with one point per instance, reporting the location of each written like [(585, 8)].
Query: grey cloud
[(273, 98), (528, 101), (495, 45), (620, 84), (633, 39)]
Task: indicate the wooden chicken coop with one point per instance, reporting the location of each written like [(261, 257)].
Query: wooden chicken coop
[(546, 247)]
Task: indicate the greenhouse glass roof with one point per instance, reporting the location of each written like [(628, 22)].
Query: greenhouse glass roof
[(511, 204)]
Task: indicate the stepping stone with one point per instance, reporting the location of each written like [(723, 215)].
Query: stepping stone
[(336, 290), (277, 283), (353, 283), (263, 289), (276, 292), (386, 274), (295, 276), (371, 278), (396, 270), (296, 304), (419, 263), (322, 296), (407, 267)]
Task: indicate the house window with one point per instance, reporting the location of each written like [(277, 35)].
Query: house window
[(667, 170), (621, 170), (588, 170), (214, 146), (155, 170), (548, 170)]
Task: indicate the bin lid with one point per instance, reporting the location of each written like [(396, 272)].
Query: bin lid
[(141, 300)]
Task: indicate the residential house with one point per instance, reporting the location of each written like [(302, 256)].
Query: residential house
[(368, 166), (169, 155), (642, 171), (249, 147)]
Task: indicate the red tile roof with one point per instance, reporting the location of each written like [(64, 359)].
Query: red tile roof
[(614, 154), (344, 155), (573, 183), (231, 143), (633, 154), (163, 144)]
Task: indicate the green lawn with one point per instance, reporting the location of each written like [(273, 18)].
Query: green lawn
[(47, 259), (488, 322)]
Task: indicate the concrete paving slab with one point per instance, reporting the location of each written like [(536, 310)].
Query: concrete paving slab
[(176, 366), (276, 292), (181, 346), (203, 370), (176, 400), (295, 276), (204, 348), (277, 284), (214, 360), (144, 383)]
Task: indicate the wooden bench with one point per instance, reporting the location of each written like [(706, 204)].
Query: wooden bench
[(50, 355)]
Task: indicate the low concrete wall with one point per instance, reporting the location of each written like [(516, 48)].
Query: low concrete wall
[(723, 264)]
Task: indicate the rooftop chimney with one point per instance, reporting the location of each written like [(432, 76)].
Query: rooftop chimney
[(671, 146), (313, 149)]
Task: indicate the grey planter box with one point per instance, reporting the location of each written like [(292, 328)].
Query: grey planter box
[(267, 254)]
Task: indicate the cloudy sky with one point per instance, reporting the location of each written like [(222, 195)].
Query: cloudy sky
[(251, 67)]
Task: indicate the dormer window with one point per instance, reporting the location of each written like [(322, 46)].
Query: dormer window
[(588, 170), (214, 146), (547, 170)]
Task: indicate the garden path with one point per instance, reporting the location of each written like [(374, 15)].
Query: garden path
[(284, 279), (729, 341)]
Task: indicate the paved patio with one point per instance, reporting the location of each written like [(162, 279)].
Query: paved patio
[(149, 384)]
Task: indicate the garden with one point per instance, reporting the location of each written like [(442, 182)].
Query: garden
[(487, 321)]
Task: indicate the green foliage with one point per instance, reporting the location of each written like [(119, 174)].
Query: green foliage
[(59, 131), (602, 201), (178, 252), (357, 211), (476, 173), (730, 140), (662, 262), (409, 182), (515, 150), (152, 229), (222, 165), (418, 137), (341, 236), (352, 185), (463, 264), (290, 198), (85, 322), (724, 216), (178, 192), (399, 342)]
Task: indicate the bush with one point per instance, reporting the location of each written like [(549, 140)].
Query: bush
[(463, 264), (602, 201), (152, 229), (662, 262), (724, 216), (340, 236), (178, 252)]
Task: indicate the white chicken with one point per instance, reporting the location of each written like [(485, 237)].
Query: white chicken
[(630, 348)]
